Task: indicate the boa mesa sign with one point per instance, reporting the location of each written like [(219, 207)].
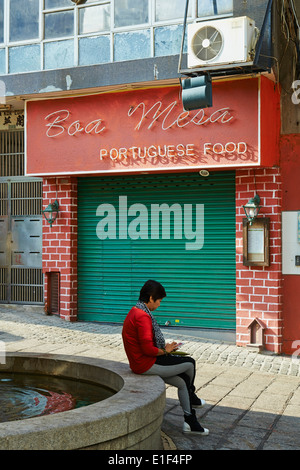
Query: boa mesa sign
[(144, 130)]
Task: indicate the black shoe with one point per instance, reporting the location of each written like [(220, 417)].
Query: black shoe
[(192, 426), (196, 402)]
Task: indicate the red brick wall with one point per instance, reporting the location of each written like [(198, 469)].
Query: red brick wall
[(259, 289), (60, 242)]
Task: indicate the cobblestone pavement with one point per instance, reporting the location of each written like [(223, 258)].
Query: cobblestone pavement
[(253, 400)]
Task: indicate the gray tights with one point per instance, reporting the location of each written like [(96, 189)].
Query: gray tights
[(178, 375)]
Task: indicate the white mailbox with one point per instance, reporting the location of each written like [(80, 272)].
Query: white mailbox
[(291, 242)]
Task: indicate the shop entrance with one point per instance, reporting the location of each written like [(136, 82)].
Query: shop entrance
[(178, 229), (21, 199), (21, 277)]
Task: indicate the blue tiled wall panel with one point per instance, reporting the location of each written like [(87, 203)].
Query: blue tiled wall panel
[(24, 58), (2, 62), (94, 50), (132, 45), (59, 54), (167, 40)]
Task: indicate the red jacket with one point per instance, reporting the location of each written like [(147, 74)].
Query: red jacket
[(138, 341)]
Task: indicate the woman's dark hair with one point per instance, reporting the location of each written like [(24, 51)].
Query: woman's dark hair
[(152, 288)]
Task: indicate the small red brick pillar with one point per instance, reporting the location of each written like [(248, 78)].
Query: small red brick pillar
[(259, 289), (60, 243)]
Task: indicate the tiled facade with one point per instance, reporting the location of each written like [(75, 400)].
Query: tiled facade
[(259, 289), (60, 243)]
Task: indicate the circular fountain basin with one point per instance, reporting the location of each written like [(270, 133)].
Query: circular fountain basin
[(25, 396), (129, 419)]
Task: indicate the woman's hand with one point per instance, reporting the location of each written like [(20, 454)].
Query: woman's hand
[(169, 347)]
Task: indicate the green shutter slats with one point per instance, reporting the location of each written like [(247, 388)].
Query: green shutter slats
[(200, 284)]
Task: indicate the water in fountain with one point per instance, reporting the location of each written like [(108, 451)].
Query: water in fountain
[(25, 396)]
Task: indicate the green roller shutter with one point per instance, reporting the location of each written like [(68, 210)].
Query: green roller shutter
[(200, 283)]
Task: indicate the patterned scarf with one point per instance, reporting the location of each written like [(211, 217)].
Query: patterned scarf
[(158, 336)]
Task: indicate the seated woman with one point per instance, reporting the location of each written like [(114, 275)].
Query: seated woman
[(148, 354)]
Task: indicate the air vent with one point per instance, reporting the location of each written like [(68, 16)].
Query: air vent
[(207, 43), (53, 293)]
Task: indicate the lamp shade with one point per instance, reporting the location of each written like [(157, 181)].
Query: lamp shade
[(51, 212), (252, 208)]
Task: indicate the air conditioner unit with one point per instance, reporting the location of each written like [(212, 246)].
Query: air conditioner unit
[(218, 42)]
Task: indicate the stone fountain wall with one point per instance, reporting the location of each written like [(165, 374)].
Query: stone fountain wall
[(129, 420)]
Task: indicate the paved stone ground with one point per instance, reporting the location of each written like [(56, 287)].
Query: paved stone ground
[(253, 400)]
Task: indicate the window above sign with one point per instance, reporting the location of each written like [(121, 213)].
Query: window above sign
[(23, 20), (214, 7), (118, 25)]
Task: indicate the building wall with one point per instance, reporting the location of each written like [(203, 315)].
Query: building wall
[(290, 150), (261, 292), (259, 289), (27, 77), (60, 243), (287, 73)]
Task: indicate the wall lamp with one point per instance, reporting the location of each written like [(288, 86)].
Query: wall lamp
[(51, 212), (252, 208)]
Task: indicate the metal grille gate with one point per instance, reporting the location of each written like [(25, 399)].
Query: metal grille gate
[(21, 277), (200, 284), (12, 153)]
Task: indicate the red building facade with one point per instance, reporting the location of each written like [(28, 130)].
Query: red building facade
[(240, 133)]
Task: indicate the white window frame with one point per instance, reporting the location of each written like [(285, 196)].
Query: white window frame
[(150, 25)]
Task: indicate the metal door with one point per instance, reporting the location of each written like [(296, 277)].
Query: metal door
[(21, 277), (200, 284)]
